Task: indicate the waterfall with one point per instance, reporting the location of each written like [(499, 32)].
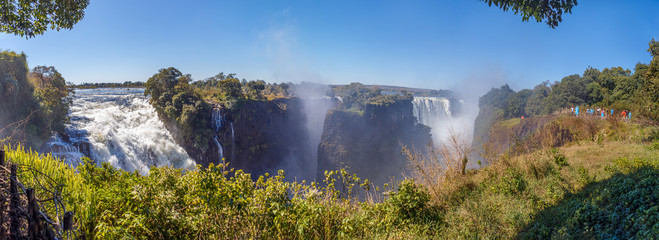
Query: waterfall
[(217, 119), (431, 110), (233, 136), (436, 113), (121, 128), (220, 152), (315, 109), (65, 150), (233, 143)]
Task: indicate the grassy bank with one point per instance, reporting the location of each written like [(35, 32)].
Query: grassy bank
[(584, 189)]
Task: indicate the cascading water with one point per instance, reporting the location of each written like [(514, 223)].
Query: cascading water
[(217, 119), (220, 152), (65, 150), (233, 142), (434, 112), (430, 110), (123, 129), (233, 136), (217, 125)]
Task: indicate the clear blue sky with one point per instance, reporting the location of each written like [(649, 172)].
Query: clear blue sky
[(430, 44)]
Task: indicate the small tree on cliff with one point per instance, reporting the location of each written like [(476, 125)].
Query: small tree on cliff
[(51, 90), (174, 99)]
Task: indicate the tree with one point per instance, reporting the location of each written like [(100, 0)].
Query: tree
[(169, 80), (549, 10), (51, 90), (517, 104), (356, 95), (570, 91), (254, 89), (177, 102), (28, 18), (651, 90), (497, 97), (230, 89), (534, 105)]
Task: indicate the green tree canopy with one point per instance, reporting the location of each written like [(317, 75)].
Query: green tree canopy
[(497, 97), (356, 95), (517, 104), (51, 90), (651, 91), (549, 10), (177, 102), (33, 104), (27, 18), (534, 103), (230, 89), (254, 89)]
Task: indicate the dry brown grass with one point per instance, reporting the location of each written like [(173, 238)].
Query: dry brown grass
[(441, 168)]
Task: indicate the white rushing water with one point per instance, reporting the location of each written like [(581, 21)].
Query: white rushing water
[(123, 129), (65, 150), (430, 110), (217, 125), (435, 112), (220, 152), (217, 119)]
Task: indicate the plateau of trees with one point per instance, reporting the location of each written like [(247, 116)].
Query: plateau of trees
[(615, 87), (356, 96), (34, 103), (28, 18), (231, 91)]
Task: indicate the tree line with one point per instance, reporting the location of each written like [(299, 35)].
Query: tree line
[(126, 84), (34, 102), (614, 87)]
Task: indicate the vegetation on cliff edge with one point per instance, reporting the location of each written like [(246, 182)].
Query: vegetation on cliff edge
[(33, 104)]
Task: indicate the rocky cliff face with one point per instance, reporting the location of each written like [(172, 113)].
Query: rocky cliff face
[(265, 136), (369, 144)]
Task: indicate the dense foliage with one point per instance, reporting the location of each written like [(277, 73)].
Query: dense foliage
[(529, 196), (356, 97), (550, 10), (51, 90), (651, 80), (230, 91), (28, 18), (217, 203), (614, 87), (34, 103), (176, 101)]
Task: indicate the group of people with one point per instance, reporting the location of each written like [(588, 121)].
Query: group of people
[(602, 112)]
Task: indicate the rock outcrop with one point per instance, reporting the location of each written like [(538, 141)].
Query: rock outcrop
[(370, 144)]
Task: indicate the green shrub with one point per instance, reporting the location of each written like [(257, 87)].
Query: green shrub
[(560, 160), (626, 206), (410, 202), (511, 182)]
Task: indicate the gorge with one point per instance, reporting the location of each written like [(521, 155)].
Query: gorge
[(304, 136)]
